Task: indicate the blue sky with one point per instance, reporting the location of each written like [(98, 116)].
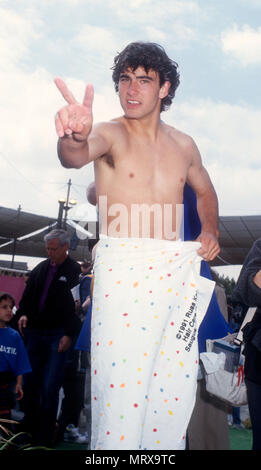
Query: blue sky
[(217, 45)]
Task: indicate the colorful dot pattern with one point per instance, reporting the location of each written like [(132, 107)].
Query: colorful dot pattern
[(143, 378)]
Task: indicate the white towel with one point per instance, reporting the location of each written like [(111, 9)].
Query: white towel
[(149, 300)]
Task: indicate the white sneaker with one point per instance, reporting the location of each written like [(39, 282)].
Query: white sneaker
[(229, 419), (238, 426), (72, 434), (82, 439)]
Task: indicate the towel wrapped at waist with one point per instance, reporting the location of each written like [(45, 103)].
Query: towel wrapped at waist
[(148, 302)]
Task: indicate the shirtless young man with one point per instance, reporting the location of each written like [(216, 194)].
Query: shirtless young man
[(138, 160)]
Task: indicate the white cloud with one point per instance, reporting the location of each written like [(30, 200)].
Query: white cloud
[(238, 189), (225, 132), (251, 3), (134, 4), (229, 141), (16, 33), (243, 44), (106, 105), (227, 136), (31, 173), (181, 35), (155, 34), (176, 7), (31, 98), (153, 12), (95, 38), (96, 47), (30, 170)]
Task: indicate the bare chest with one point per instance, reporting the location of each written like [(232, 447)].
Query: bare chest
[(147, 171)]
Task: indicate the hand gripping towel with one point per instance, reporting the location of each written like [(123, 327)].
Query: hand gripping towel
[(148, 302)]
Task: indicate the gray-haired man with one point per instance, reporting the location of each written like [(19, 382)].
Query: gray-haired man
[(48, 321)]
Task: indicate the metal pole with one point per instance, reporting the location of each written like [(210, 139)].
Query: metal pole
[(15, 238), (60, 214), (66, 207)]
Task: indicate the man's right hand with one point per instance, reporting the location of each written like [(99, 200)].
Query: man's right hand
[(74, 119), (22, 323)]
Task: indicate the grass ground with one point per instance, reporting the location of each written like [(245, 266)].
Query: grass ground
[(239, 440)]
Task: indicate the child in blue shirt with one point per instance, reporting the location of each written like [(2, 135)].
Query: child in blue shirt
[(14, 361)]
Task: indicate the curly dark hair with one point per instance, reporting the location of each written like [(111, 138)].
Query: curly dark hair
[(150, 56)]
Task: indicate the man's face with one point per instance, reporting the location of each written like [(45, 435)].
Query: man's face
[(56, 252), (6, 311), (140, 92)]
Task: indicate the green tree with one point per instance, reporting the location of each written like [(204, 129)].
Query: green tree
[(227, 283)]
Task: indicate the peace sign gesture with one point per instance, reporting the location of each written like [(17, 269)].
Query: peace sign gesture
[(74, 119)]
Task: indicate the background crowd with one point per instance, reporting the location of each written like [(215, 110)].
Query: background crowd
[(45, 353)]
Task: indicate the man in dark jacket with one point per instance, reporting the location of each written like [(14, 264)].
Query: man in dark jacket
[(47, 320), (248, 292)]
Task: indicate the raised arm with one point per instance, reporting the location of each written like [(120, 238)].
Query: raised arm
[(207, 205), (79, 141)]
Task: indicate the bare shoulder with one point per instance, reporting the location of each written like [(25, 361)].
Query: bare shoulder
[(111, 128), (105, 137), (186, 144), (181, 138)]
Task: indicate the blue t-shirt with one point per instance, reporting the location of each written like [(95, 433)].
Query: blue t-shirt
[(84, 339), (13, 354), (85, 287)]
